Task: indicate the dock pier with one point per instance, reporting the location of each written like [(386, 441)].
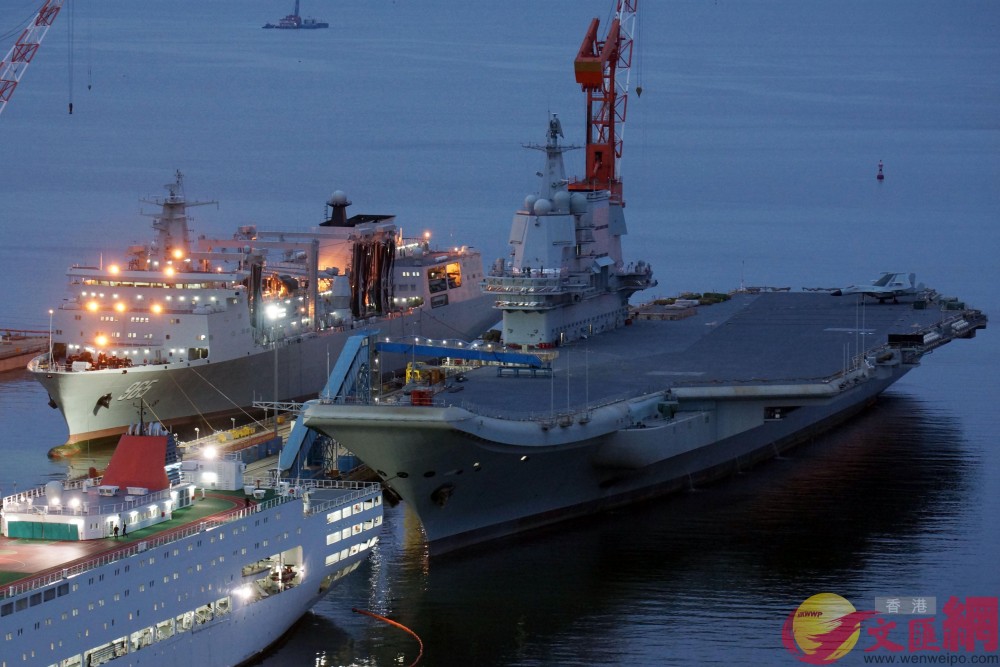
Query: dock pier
[(19, 346)]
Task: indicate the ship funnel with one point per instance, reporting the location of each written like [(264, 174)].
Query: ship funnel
[(338, 204)]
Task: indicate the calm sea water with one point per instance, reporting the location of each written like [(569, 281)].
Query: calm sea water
[(750, 156)]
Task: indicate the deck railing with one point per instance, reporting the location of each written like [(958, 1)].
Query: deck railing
[(356, 491), (18, 503)]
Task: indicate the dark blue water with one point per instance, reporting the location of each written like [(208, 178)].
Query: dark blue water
[(750, 156)]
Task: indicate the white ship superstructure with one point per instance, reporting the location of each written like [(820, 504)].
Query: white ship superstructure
[(198, 328), (114, 573)]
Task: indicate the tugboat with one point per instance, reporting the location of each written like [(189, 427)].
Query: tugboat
[(295, 22)]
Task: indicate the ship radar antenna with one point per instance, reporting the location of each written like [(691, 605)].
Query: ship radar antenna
[(555, 129), (175, 190)]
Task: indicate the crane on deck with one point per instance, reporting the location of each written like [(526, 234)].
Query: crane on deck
[(20, 55), (602, 69)]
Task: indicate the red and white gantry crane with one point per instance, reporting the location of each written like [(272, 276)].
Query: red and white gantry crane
[(20, 55), (602, 69)]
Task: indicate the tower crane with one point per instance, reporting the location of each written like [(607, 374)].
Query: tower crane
[(20, 55), (602, 69)]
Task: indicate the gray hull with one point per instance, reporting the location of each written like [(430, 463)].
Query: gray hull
[(467, 490), (731, 386)]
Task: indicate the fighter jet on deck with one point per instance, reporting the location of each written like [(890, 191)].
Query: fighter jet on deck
[(887, 286)]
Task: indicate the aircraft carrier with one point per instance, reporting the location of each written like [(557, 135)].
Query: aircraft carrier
[(590, 403)]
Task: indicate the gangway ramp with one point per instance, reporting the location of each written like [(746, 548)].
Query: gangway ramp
[(351, 375)]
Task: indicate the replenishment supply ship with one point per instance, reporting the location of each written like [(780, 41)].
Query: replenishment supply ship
[(188, 563), (194, 330), (591, 403)]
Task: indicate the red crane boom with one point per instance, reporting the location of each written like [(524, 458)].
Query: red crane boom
[(19, 57), (602, 69)]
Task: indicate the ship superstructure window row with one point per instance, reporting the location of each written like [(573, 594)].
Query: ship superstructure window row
[(149, 635), (354, 549), (344, 534), (337, 515), (157, 285)]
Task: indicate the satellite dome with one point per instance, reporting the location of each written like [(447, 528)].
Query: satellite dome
[(542, 207), (338, 198), (578, 203), (529, 203), (561, 201)]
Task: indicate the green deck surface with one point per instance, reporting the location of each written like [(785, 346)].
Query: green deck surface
[(25, 558)]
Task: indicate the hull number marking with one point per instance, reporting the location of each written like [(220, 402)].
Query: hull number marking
[(137, 390)]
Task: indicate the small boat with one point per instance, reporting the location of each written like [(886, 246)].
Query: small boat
[(295, 22)]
